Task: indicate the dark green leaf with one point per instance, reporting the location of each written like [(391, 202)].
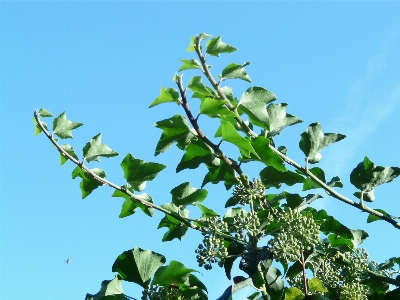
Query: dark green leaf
[(215, 46), (95, 149), (137, 172), (367, 176), (138, 265), (215, 108), (261, 145), (166, 95), (272, 177), (311, 184), (373, 218), (88, 183), (274, 282), (67, 148), (335, 182), (196, 153), (313, 140), (175, 129), (184, 194), (175, 273), (236, 71), (295, 201), (253, 296), (207, 212), (189, 64), (196, 85), (223, 172), (294, 269), (44, 113), (230, 134), (316, 285), (130, 206), (193, 281), (176, 229), (109, 290), (63, 127), (367, 196)]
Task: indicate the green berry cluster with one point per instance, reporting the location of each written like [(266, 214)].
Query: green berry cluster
[(353, 291), (213, 249), (156, 292), (297, 232), (246, 226), (244, 195)]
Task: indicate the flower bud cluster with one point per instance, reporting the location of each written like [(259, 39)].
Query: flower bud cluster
[(156, 292), (354, 291), (244, 195), (297, 232), (213, 249), (246, 226)]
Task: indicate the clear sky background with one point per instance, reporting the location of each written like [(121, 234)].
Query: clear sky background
[(104, 63)]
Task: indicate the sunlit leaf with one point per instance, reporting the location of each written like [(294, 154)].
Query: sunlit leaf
[(95, 149), (335, 182), (293, 293), (138, 265), (196, 85), (236, 71), (166, 95), (311, 184), (63, 127), (207, 212), (67, 148), (215, 46), (215, 108), (175, 273), (44, 113), (185, 194), (109, 290), (130, 206), (175, 129), (316, 285), (189, 64), (261, 145), (137, 172), (88, 184)]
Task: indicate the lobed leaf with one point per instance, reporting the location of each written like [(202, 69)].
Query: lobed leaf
[(137, 172), (293, 293), (88, 184), (174, 273), (261, 145), (219, 173), (38, 130), (184, 194), (196, 85), (272, 177), (215, 108), (63, 127), (44, 113), (67, 148), (95, 149), (309, 184), (233, 71), (166, 95), (215, 46), (207, 212), (176, 229), (130, 205), (189, 64), (138, 265), (110, 289)]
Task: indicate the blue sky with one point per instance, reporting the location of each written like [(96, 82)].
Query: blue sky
[(104, 63)]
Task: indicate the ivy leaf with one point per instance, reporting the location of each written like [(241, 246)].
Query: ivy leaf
[(278, 119), (313, 140), (261, 145), (196, 153), (316, 285), (174, 273), (215, 108), (274, 282), (138, 265), (295, 201), (175, 129), (130, 206), (110, 289), (196, 85), (215, 46), (184, 194), (63, 127), (166, 95), (176, 229), (44, 113), (272, 177), (373, 218), (67, 148), (335, 182), (230, 134), (38, 130), (219, 173), (293, 293), (189, 64), (137, 172), (94, 149), (207, 212), (367, 176), (236, 71), (88, 183), (311, 184)]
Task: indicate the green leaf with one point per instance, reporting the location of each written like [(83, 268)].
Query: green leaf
[(295, 201), (261, 145), (367, 176), (67, 148), (231, 213), (189, 64), (95, 149), (196, 85), (316, 285), (278, 119), (184, 194), (109, 290), (130, 206), (190, 48), (274, 282), (313, 140), (230, 134), (137, 172), (253, 296), (373, 218), (236, 71), (193, 281), (215, 108), (176, 229), (174, 273), (207, 212), (138, 265), (197, 153), (38, 130), (272, 177), (44, 113), (63, 127), (335, 182), (215, 46), (293, 293), (88, 183), (223, 172), (175, 129), (166, 95), (311, 184)]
